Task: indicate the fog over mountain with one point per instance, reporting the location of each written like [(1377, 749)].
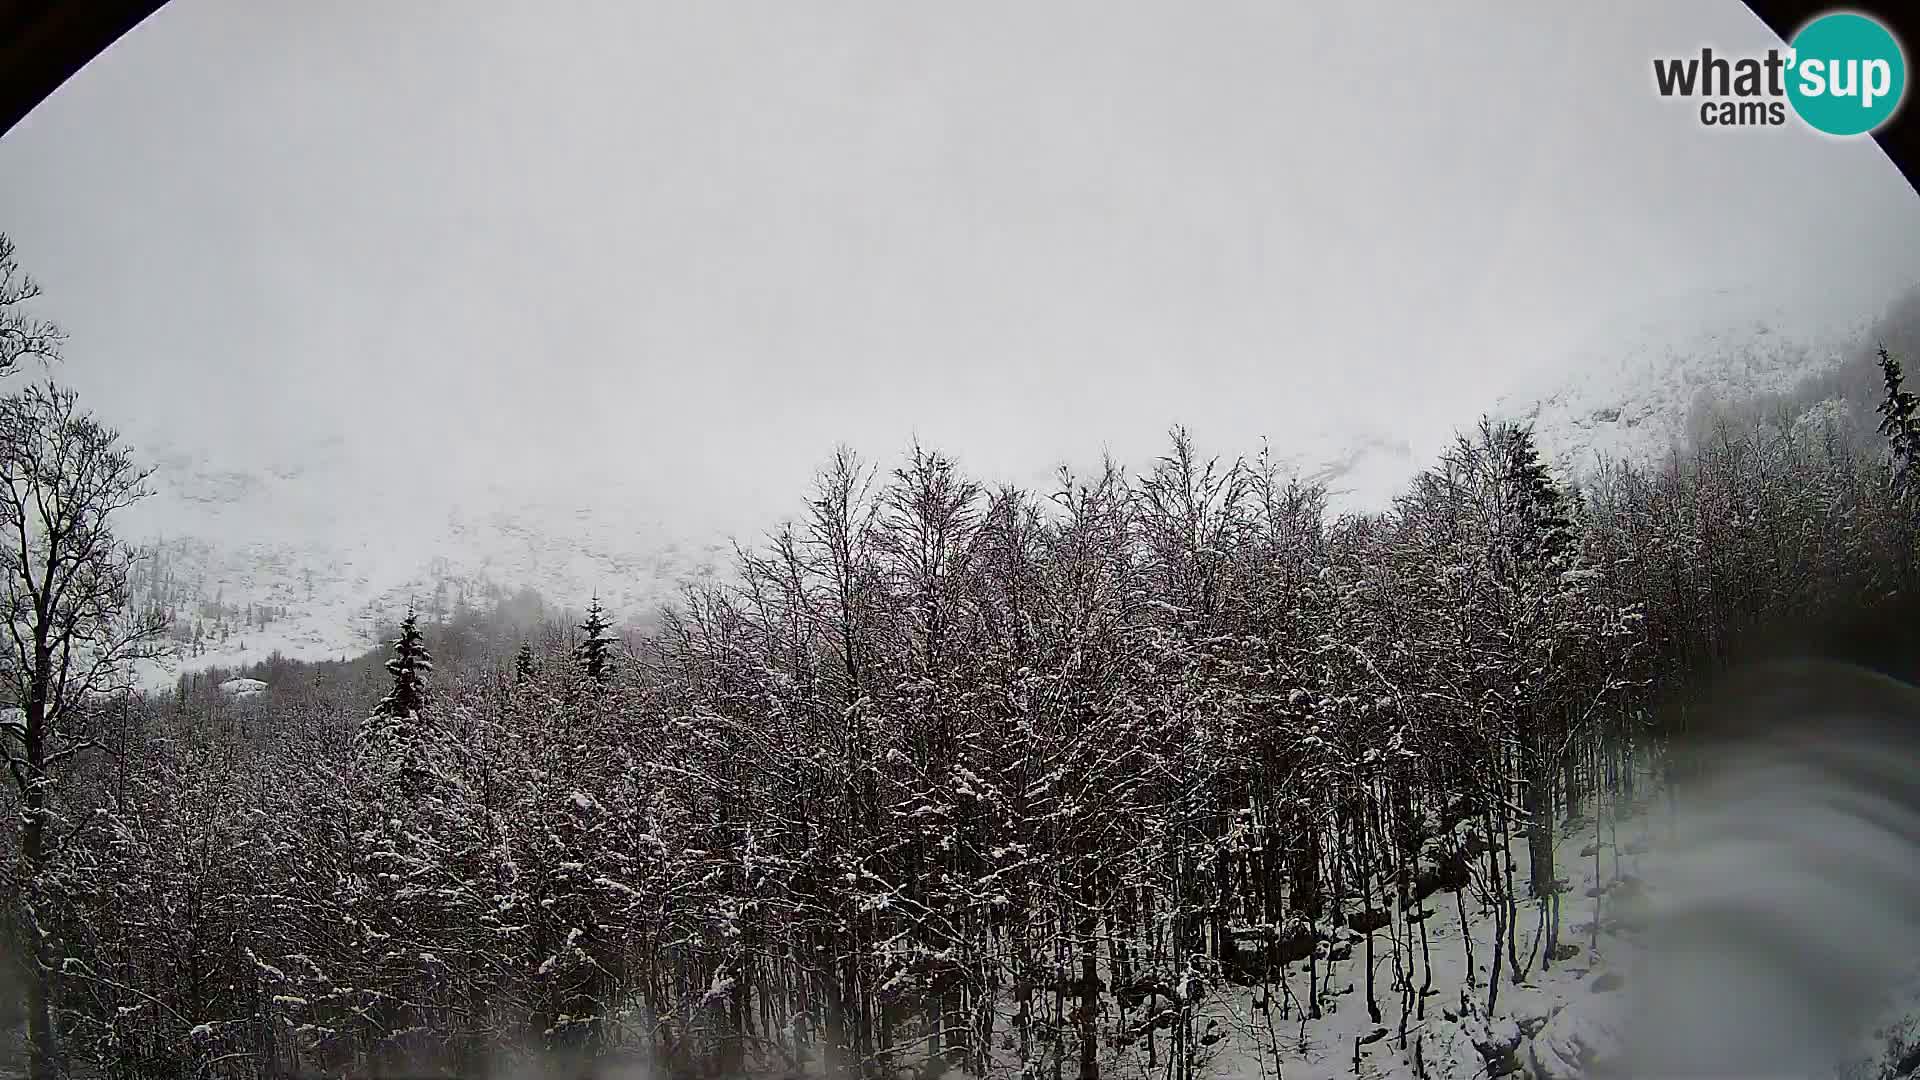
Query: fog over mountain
[(400, 296), (472, 300), (444, 305), (342, 555), (672, 255)]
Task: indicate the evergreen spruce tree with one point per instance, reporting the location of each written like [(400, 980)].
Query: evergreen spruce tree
[(1531, 543), (595, 651), (1900, 423), (1544, 536), (523, 664), (409, 668)]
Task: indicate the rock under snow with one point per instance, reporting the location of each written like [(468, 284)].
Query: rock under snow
[(1581, 1040), (243, 688), (1469, 1044)]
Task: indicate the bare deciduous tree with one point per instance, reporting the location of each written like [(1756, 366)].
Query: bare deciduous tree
[(70, 640), (22, 337)]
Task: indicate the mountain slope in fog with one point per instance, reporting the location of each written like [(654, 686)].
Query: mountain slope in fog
[(301, 558), (307, 558), (1636, 387), (1632, 387)]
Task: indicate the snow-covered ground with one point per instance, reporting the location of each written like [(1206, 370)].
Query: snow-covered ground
[(1553, 1024), (1573, 1022)]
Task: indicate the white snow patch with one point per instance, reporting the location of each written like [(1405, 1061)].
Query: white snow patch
[(243, 688)]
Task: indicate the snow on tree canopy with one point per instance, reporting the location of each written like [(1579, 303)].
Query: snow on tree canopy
[(594, 652), (243, 688), (409, 667)]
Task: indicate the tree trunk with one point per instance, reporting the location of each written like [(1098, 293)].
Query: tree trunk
[(1089, 984), (40, 1064), (33, 857), (1537, 779)]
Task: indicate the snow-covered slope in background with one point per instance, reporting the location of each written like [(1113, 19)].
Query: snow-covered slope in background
[(309, 558), (305, 559), (1629, 389), (1361, 470), (1625, 388)]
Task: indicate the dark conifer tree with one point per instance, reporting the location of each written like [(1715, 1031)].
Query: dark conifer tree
[(523, 664), (595, 651), (1900, 422), (1545, 534), (409, 668)]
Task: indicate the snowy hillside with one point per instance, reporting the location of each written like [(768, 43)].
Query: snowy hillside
[(1361, 470), (294, 558), (1626, 387), (306, 557), (297, 558), (1629, 389)]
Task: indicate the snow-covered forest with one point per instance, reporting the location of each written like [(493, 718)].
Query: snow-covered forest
[(1169, 773)]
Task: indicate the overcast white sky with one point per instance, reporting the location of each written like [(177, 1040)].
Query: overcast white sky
[(695, 244)]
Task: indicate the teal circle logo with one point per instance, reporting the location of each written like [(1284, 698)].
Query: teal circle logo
[(1848, 74)]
